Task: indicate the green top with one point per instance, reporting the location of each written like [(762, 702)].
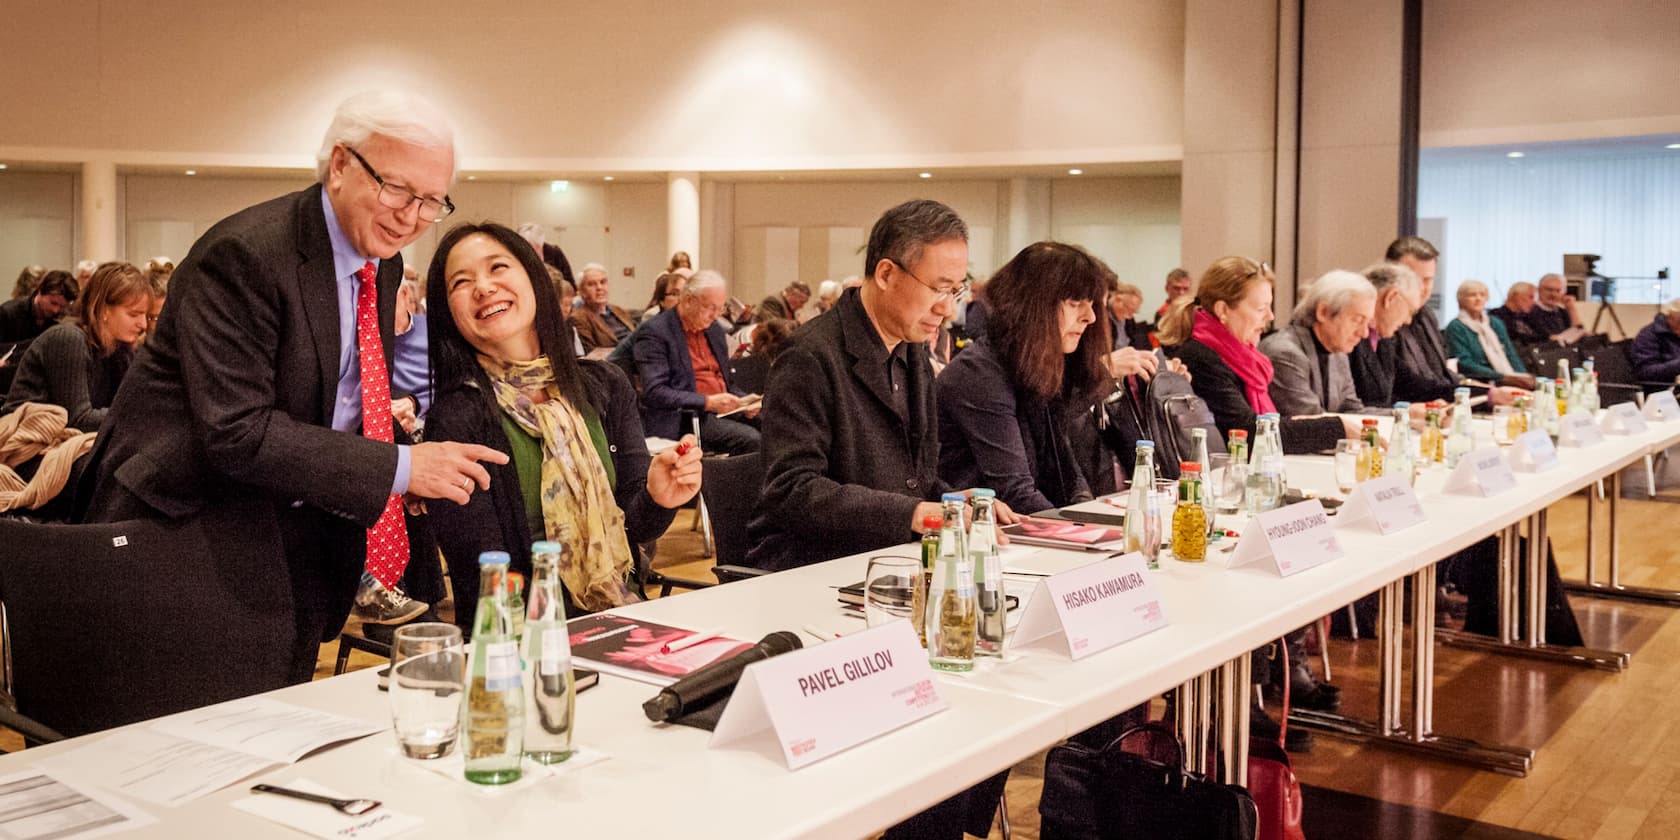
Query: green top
[(527, 460)]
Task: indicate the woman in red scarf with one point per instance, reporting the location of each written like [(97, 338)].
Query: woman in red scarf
[(1214, 333)]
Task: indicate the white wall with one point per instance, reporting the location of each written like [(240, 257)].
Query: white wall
[(1131, 223), (37, 210)]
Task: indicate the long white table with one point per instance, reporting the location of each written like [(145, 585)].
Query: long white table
[(664, 779)]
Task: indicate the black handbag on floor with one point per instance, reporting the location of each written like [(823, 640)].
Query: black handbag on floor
[(1111, 793)]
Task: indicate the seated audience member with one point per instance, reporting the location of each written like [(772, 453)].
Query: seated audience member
[(1309, 356), (1177, 286), (1554, 316), (666, 288), (599, 324), (1373, 361), (772, 337), (680, 261), (78, 365), (27, 280), (1655, 352), (1214, 334), (682, 358), (1421, 374), (84, 272), (1125, 330), (1003, 401), (578, 471), (24, 318), (1518, 303), (567, 293), (1481, 343), (785, 304), (828, 291), (158, 272), (551, 253)]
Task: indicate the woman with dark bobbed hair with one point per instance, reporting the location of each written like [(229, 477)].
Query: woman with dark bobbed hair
[(578, 470), (1003, 402)]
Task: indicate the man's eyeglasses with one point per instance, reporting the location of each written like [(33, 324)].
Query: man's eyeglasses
[(399, 198), (941, 294)]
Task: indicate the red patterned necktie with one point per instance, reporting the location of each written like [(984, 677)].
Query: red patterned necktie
[(387, 540)]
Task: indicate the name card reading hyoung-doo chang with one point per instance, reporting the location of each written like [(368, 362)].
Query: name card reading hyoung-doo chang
[(1578, 430), (1288, 540), (1662, 406), (1623, 419), (1533, 452), (1483, 472), (825, 699), (1092, 608), (1387, 504)]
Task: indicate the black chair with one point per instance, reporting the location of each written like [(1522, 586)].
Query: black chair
[(120, 622), (750, 372), (1617, 380), (731, 486)]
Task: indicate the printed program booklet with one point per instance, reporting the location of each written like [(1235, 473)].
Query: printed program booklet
[(632, 649)]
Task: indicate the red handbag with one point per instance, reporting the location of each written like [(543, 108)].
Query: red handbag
[(1271, 778)]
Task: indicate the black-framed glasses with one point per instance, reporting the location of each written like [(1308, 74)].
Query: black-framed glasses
[(940, 294), (399, 198)]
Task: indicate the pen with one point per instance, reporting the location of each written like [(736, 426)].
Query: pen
[(690, 641), (820, 633)]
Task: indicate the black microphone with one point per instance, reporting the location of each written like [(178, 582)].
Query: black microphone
[(704, 686)]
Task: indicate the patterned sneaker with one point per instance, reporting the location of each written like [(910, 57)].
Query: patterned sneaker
[(377, 605)]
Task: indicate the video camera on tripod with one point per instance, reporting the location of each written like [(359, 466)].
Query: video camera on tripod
[(1580, 271)]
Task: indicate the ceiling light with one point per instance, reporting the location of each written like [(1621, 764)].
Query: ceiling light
[(2, 166), (1514, 154), (607, 178), (192, 171), (924, 175), (1672, 146), (1076, 172), (472, 177), (559, 186)]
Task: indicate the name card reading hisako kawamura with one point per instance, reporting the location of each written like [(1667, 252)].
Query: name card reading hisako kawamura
[(1483, 472), (825, 699), (1387, 504), (1092, 608), (1288, 540)]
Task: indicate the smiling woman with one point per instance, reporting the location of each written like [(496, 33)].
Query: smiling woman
[(579, 472), (79, 365)]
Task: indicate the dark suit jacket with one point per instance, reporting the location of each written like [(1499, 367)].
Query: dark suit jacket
[(1421, 372), (1373, 371), (592, 327), (494, 519), (17, 322), (667, 372), (1222, 390), (995, 434), (1129, 333), (843, 472), (228, 409)]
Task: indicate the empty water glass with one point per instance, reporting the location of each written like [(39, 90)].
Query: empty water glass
[(889, 588), (1347, 464), (428, 675)]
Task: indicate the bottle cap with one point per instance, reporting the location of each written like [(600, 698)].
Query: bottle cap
[(492, 557), (1402, 405), (953, 497), (1189, 466), (984, 493), (545, 547), (515, 583), (930, 523), (1241, 434), (1461, 390), (1368, 422), (1148, 443)]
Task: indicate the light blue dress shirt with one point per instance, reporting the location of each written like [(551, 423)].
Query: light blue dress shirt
[(347, 403)]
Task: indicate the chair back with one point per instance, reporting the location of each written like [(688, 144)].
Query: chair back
[(1617, 382), (731, 486), (119, 622), (750, 372)]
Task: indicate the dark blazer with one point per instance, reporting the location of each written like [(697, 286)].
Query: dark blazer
[(593, 330), (1520, 330), (1421, 372), (1129, 333), (1655, 352), (1373, 371), (1298, 385), (494, 519), (17, 322), (1222, 390), (228, 408), (995, 434), (843, 472), (667, 373)]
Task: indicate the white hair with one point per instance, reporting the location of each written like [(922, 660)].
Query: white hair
[(1469, 286), (399, 116), (592, 267), (1670, 307), (532, 232), (702, 280), (1335, 289), (1385, 274), (828, 289), (88, 266)]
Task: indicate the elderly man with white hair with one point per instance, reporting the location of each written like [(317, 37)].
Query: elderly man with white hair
[(599, 324), (1310, 354), (682, 357), (1480, 342)]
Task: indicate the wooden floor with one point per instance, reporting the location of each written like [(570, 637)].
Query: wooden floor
[(1608, 762)]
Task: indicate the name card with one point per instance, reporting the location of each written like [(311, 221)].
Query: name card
[(1577, 429), (1387, 504), (1288, 539), (1533, 452), (1483, 472), (824, 699), (1623, 419), (1662, 406), (1093, 607)]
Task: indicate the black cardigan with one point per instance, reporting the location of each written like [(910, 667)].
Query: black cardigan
[(993, 434), (494, 519), (1222, 390)]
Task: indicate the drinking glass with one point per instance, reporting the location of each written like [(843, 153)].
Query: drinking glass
[(428, 675), (1502, 424), (888, 588), (1347, 464)]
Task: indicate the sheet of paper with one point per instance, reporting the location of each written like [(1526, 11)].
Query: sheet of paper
[(1022, 560), (155, 767), (280, 732), (34, 805), (453, 767), (322, 820)]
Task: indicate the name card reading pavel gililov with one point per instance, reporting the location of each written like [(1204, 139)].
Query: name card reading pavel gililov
[(1533, 452), (1483, 472), (824, 699), (1662, 406), (1623, 419), (1387, 504), (1288, 540), (1093, 607), (1577, 429)]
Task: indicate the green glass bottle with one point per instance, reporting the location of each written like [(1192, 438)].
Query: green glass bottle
[(492, 720)]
